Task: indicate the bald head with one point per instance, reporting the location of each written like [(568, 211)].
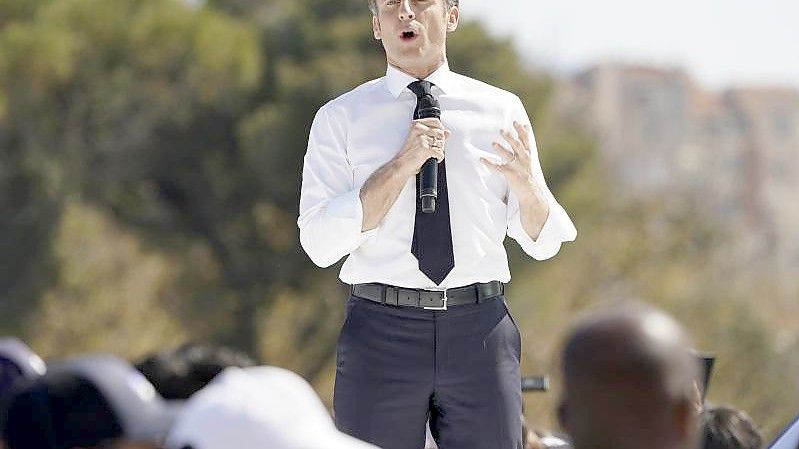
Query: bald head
[(629, 381)]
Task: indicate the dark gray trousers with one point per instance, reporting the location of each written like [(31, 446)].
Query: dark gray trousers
[(397, 367)]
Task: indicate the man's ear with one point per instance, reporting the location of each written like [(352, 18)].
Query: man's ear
[(376, 28), (452, 19)]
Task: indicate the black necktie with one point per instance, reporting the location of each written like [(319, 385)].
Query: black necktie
[(432, 234)]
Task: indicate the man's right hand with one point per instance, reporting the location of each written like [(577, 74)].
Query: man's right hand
[(426, 139)]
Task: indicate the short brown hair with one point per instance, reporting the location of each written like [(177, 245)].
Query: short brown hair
[(373, 5)]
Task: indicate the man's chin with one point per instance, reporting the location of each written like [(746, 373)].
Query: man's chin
[(410, 53), (407, 47)]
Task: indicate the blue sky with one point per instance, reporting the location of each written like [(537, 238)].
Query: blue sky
[(719, 42)]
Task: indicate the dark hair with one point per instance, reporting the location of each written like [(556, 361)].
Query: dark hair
[(727, 428), (60, 412), (10, 373), (179, 373)]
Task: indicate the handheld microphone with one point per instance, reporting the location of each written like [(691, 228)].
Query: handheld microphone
[(428, 176)]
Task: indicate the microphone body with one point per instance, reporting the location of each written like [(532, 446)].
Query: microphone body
[(428, 175)]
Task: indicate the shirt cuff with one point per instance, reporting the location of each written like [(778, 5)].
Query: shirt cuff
[(557, 229), (349, 207)]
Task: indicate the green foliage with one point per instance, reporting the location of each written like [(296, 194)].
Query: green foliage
[(92, 250), (14, 10)]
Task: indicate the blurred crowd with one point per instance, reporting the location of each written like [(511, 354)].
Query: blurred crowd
[(630, 381)]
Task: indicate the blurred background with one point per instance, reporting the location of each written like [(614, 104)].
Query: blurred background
[(151, 153)]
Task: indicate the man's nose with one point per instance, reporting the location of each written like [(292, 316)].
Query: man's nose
[(406, 13)]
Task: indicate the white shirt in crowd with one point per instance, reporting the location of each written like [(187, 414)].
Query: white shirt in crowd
[(358, 132)]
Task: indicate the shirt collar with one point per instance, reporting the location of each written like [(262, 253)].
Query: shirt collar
[(397, 80)]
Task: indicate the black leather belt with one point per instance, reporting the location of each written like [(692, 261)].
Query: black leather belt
[(429, 299)]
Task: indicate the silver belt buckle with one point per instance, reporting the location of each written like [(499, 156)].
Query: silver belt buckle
[(444, 307)]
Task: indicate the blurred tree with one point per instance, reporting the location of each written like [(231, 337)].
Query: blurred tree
[(30, 208), (27, 223), (133, 105), (15, 10)]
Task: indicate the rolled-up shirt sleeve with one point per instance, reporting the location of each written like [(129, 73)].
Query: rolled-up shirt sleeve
[(558, 227), (331, 214)]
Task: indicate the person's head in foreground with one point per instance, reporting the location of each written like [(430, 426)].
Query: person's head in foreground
[(18, 363), (98, 402), (629, 381), (414, 32), (727, 428), (177, 373), (257, 408)]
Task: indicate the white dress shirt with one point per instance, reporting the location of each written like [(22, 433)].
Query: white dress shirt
[(360, 131)]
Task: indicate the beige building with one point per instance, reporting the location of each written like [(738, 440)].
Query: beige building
[(736, 152)]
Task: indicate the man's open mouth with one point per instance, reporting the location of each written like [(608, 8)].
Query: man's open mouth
[(408, 35)]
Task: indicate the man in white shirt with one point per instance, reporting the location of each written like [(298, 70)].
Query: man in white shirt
[(427, 334)]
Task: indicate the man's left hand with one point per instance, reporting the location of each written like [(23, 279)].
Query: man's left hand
[(517, 166), (518, 171)]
